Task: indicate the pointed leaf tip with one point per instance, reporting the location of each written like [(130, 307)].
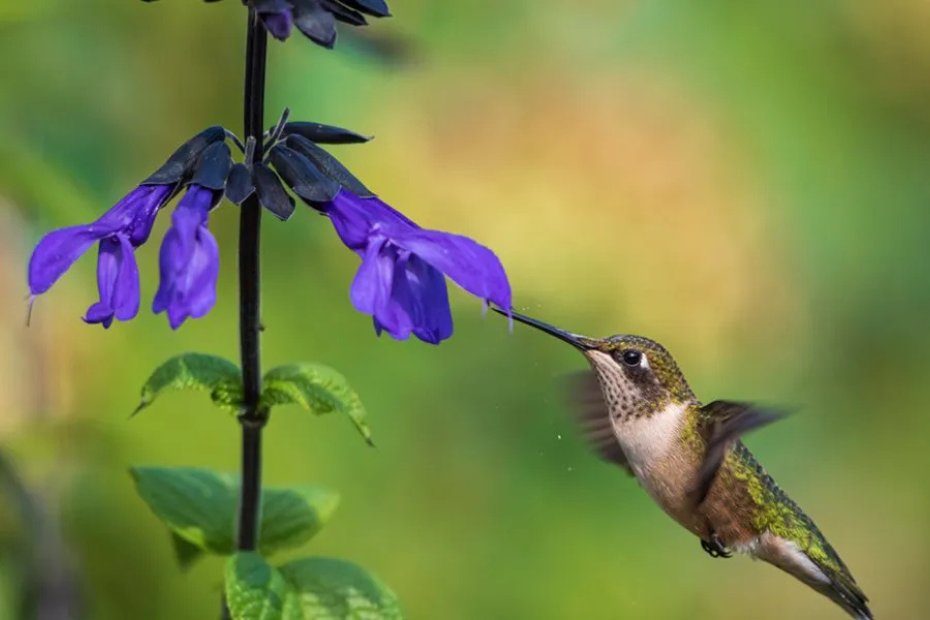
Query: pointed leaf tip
[(317, 388), (196, 371)]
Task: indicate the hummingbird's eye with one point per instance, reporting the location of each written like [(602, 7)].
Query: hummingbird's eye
[(632, 357)]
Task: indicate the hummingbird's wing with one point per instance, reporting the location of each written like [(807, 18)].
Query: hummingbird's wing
[(722, 423), (593, 416)]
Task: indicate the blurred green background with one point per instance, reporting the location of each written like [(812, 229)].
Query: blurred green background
[(748, 183)]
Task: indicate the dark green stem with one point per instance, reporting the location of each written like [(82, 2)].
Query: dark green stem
[(252, 418)]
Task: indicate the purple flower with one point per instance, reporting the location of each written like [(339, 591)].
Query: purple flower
[(400, 282), (189, 260), (119, 231)]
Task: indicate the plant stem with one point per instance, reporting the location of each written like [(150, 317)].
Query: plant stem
[(251, 418)]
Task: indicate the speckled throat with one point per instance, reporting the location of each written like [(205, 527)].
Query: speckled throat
[(628, 399)]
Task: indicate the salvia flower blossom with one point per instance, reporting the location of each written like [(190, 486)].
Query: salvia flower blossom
[(400, 282), (119, 232), (204, 159)]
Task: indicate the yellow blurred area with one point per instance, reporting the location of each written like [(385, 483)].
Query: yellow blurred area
[(644, 183), (744, 182)]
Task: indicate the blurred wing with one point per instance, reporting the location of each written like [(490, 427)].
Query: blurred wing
[(393, 50), (723, 422), (593, 417)]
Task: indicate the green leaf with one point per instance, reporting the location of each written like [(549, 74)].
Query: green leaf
[(306, 589), (292, 516), (315, 387), (196, 371), (199, 507)]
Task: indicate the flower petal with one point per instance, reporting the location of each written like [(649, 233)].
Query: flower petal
[(55, 253), (430, 288), (188, 260), (188, 288), (350, 220), (146, 209), (117, 283), (125, 297), (355, 218), (58, 250), (372, 288), (169, 266), (191, 213), (196, 292), (469, 264), (420, 290)]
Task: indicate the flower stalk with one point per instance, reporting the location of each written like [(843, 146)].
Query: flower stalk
[(251, 418)]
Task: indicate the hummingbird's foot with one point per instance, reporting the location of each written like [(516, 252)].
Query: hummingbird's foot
[(715, 548)]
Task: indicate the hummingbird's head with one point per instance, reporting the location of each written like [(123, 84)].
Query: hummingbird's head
[(638, 376)]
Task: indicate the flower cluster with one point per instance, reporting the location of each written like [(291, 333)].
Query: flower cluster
[(316, 19), (400, 282), (189, 257)]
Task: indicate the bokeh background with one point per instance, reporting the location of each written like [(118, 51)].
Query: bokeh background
[(746, 182)]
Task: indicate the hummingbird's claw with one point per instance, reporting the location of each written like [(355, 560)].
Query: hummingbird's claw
[(715, 548)]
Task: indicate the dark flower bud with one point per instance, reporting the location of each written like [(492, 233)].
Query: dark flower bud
[(324, 134), (271, 193), (213, 167), (344, 14), (239, 184), (276, 16), (376, 8), (328, 164), (314, 21), (316, 18), (302, 176), (180, 165)]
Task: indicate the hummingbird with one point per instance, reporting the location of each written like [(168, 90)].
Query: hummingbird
[(636, 411)]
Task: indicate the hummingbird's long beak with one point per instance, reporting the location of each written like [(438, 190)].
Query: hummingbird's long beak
[(582, 343)]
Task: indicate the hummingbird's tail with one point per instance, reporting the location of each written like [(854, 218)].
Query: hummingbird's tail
[(847, 595), (825, 573)]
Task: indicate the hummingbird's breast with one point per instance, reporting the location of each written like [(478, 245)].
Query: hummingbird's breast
[(665, 459), (662, 462)]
